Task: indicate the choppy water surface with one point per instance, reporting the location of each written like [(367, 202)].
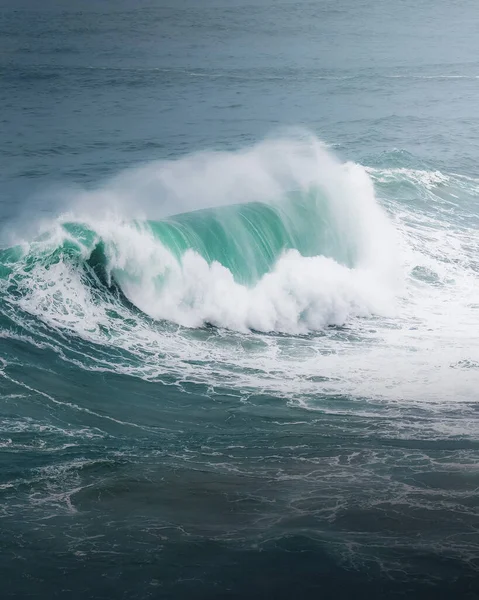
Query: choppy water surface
[(238, 300)]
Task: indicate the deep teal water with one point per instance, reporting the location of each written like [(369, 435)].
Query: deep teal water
[(238, 299)]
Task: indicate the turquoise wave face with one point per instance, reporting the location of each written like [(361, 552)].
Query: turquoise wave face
[(247, 239)]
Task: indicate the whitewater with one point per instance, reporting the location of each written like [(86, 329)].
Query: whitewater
[(282, 238), (282, 285)]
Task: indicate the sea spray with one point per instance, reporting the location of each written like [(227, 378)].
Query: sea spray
[(283, 237)]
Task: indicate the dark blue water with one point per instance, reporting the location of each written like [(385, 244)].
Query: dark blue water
[(275, 395)]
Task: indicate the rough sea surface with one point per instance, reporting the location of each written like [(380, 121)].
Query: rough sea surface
[(239, 299)]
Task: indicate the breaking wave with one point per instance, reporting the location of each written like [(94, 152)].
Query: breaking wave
[(280, 237)]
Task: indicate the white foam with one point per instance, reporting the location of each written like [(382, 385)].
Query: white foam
[(420, 349)]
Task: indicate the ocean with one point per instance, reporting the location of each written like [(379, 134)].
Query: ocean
[(239, 299)]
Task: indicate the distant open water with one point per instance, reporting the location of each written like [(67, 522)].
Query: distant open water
[(239, 299)]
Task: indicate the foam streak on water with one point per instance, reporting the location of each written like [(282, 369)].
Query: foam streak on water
[(299, 328)]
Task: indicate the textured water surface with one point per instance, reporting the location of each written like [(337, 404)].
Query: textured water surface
[(239, 300)]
